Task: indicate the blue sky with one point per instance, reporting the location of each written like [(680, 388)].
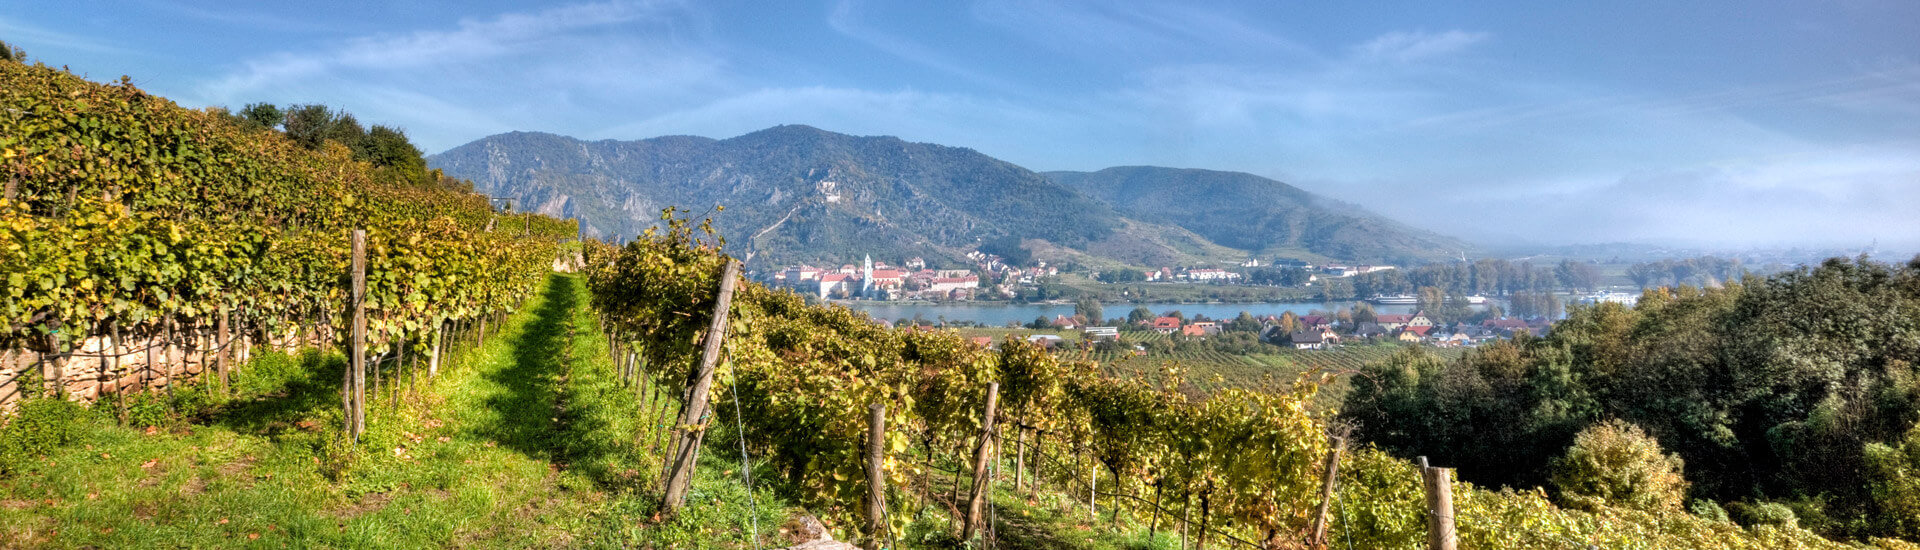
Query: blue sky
[(1754, 123)]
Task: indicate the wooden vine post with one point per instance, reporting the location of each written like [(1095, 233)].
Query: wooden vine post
[(355, 391), (1329, 478), (433, 362), (1439, 483), (876, 475), (223, 354), (977, 502), (693, 418), (53, 373)]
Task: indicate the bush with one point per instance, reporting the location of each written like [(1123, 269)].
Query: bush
[(1893, 481), (1707, 510), (1755, 514), (1616, 463), (37, 428)]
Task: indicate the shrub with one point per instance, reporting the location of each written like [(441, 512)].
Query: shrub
[(1893, 482), (1616, 463), (1707, 510), (1755, 514), (37, 428)]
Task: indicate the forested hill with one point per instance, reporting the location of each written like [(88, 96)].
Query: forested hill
[(1252, 213), (797, 193)]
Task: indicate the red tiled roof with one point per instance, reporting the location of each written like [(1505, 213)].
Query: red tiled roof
[(1392, 318), (1166, 322)]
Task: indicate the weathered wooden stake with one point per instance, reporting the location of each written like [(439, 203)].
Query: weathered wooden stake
[(223, 341), (54, 373), (1093, 488), (1439, 483), (439, 336), (976, 504), (1328, 479), (693, 419), (357, 369), (1019, 456), (876, 475)]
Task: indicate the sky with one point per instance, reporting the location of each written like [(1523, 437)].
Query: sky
[(1714, 123)]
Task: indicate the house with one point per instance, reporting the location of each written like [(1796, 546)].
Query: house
[(1419, 319), (1166, 325), (1308, 339), (1329, 336), (983, 342), (1369, 330), (1099, 333), (1211, 274), (1047, 341), (1392, 321), (1454, 340), (1418, 330), (888, 278), (1200, 328), (1409, 336), (1315, 322), (837, 282), (949, 284), (1504, 325), (1062, 321)]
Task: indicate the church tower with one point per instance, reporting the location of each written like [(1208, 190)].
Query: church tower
[(866, 275)]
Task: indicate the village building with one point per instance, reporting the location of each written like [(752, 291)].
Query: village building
[(1166, 325), (1308, 339), (1047, 341)]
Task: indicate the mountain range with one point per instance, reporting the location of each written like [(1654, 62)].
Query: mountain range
[(800, 194)]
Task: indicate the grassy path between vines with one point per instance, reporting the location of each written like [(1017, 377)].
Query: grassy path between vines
[(527, 442)]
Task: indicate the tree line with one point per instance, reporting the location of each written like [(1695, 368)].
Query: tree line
[(1793, 397)]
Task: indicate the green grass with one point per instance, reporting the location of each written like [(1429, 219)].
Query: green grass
[(528, 442)]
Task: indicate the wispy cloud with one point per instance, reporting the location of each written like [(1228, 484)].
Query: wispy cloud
[(24, 35), (1406, 46), (846, 19), (551, 70), (472, 40), (1143, 31)]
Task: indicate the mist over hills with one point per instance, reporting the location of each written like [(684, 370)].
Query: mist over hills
[(796, 193)]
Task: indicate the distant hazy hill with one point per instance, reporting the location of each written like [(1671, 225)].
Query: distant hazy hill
[(796, 193), (1248, 212)]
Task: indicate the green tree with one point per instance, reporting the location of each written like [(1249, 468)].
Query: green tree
[(1244, 323), (1087, 307), (308, 125), (1645, 274), (1577, 275), (264, 115), (1362, 312), (1333, 289), (1139, 314), (9, 52), (1615, 463)]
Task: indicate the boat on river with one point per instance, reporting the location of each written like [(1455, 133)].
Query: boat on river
[(1396, 300)]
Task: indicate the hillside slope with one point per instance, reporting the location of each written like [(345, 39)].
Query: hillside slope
[(1256, 214), (797, 193)]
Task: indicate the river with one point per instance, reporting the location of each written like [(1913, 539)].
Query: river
[(995, 314)]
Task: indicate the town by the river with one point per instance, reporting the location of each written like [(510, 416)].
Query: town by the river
[(999, 314)]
